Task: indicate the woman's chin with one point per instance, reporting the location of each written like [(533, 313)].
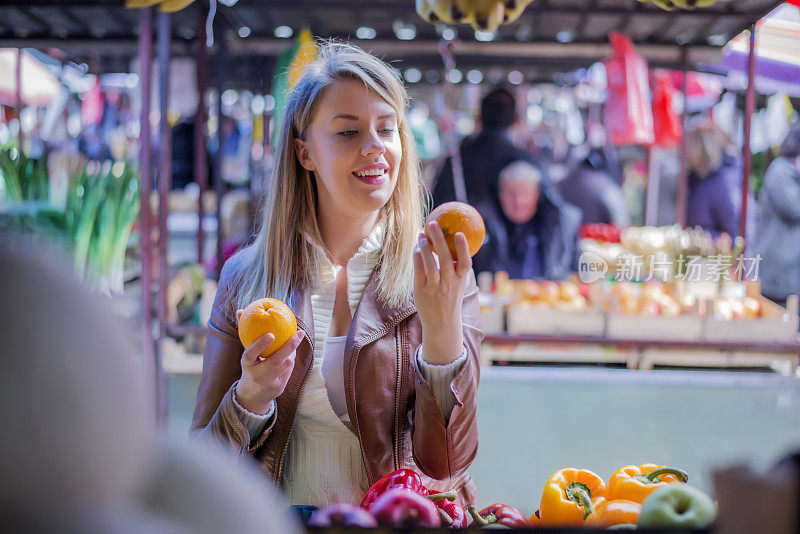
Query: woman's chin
[(374, 200)]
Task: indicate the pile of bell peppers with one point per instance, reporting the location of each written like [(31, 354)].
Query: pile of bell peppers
[(604, 233), (646, 495)]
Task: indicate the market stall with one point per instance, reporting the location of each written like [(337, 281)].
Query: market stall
[(544, 39), (611, 312), (644, 297)]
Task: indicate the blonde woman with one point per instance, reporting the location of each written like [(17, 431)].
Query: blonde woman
[(383, 372), (715, 193)]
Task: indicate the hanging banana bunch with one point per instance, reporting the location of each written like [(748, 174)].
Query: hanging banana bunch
[(483, 15), (168, 6), (669, 5)]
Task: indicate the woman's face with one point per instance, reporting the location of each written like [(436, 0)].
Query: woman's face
[(353, 148)]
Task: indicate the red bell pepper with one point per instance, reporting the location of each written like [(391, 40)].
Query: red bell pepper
[(500, 514), (400, 507), (402, 478), (342, 515), (453, 515)]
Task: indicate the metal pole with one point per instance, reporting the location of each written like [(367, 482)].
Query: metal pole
[(146, 170), (749, 109), (651, 191), (20, 105), (459, 185), (200, 133), (222, 58), (164, 179), (683, 180)]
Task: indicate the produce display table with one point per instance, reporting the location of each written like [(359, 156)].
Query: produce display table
[(355, 530), (638, 353), (502, 349)]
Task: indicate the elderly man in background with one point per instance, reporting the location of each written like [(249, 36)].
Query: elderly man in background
[(530, 231)]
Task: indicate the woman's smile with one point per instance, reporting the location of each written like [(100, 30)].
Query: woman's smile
[(373, 174)]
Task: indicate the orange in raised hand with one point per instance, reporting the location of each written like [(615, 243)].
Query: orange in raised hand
[(267, 316), (455, 217)]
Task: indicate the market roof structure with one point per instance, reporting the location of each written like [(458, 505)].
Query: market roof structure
[(550, 35)]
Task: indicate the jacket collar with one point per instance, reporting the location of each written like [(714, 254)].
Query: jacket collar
[(371, 318)]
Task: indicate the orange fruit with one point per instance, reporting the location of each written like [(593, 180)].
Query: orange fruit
[(455, 217), (267, 316)]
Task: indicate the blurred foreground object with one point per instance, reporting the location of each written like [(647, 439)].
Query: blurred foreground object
[(80, 445), (775, 495)]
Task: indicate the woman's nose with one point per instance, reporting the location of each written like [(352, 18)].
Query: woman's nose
[(373, 145)]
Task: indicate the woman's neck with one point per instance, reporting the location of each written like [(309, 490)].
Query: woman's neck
[(342, 234)]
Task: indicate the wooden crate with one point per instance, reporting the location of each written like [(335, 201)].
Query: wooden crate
[(525, 318), (558, 352), (493, 313), (775, 325), (782, 362), (687, 327)]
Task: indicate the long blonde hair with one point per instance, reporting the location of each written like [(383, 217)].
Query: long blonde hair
[(284, 257)]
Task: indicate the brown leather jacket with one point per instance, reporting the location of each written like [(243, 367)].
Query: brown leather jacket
[(391, 406)]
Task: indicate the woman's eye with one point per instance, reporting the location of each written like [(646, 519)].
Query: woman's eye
[(387, 131), (348, 133)]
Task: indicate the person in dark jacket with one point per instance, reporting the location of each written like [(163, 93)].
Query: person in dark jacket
[(484, 154), (715, 182), (530, 231), (778, 240), (596, 194)]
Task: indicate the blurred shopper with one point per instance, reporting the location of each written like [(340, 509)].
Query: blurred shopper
[(591, 188), (715, 181), (484, 154), (530, 231), (602, 155), (80, 447), (778, 240)]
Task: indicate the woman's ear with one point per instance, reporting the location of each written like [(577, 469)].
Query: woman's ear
[(303, 154)]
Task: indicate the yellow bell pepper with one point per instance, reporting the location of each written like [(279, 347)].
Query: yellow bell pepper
[(616, 512), (636, 482), (570, 495)]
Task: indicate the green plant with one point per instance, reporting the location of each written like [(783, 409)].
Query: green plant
[(23, 178), (101, 206)]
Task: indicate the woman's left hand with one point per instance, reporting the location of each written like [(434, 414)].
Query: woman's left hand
[(438, 293)]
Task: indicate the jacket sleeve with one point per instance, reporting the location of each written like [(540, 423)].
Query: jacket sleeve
[(215, 414), (783, 190), (442, 449)]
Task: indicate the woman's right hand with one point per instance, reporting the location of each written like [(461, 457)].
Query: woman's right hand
[(264, 379)]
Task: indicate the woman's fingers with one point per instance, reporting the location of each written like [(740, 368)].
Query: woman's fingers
[(251, 354), (419, 269), (463, 259), (267, 372), (428, 261), (291, 344), (436, 235)]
